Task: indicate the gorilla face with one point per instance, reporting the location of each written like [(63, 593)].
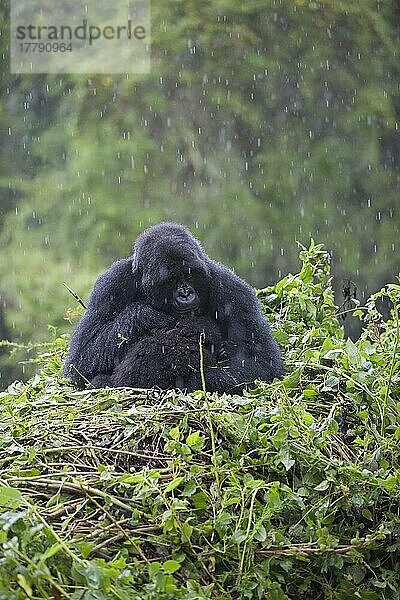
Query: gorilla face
[(180, 294), (185, 299), (176, 277)]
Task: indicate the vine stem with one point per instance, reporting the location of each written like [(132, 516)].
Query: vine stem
[(310, 549), (392, 365), (201, 343), (212, 434)]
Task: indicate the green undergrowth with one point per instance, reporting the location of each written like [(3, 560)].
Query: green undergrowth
[(292, 491)]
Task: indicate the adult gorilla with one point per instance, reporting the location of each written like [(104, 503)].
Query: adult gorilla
[(170, 276)]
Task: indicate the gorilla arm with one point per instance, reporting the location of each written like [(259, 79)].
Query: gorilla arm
[(116, 311), (253, 351)]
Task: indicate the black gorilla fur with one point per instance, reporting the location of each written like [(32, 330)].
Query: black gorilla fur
[(170, 358), (136, 333)]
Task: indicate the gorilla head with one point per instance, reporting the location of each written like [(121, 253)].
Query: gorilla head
[(173, 270)]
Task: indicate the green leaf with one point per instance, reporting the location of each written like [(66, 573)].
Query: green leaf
[(171, 566), (186, 532), (22, 582), (174, 484), (239, 536), (190, 488), (154, 568), (291, 381), (353, 354), (86, 549), (357, 573), (322, 486), (307, 418), (51, 551), (195, 441), (309, 393), (200, 500), (174, 433), (260, 534), (282, 338), (10, 497), (331, 382), (332, 354), (306, 274), (286, 459)]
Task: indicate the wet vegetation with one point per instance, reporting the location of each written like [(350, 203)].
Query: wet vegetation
[(290, 492)]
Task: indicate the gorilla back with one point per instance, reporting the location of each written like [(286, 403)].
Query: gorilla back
[(169, 275)]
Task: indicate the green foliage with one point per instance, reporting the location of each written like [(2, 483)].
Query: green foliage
[(290, 492)]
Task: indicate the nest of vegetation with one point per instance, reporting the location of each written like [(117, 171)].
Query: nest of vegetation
[(291, 491)]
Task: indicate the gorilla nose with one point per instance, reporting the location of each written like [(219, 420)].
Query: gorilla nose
[(185, 293), (186, 296)]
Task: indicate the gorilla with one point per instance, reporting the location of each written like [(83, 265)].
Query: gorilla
[(147, 314)]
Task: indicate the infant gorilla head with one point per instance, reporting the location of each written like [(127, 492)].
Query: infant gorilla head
[(170, 358)]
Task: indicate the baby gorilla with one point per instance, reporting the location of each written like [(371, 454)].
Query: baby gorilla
[(178, 358)]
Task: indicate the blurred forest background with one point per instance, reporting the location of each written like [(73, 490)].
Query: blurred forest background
[(261, 123)]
